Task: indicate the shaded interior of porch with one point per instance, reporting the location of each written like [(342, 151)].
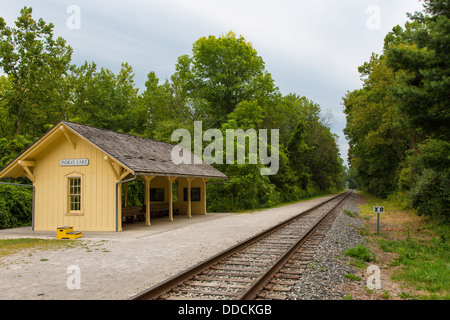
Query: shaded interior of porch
[(155, 197)]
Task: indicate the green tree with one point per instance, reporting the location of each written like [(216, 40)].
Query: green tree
[(246, 187), (104, 99), (166, 107), (11, 147), (323, 160), (398, 123), (6, 123), (375, 129), (422, 52), (297, 148), (223, 72), (286, 112)]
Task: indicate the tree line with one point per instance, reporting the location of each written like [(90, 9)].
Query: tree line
[(223, 83), (398, 122)]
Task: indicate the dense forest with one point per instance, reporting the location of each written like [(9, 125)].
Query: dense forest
[(398, 123), (223, 83)]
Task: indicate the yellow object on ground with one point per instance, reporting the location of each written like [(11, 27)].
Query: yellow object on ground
[(67, 233)]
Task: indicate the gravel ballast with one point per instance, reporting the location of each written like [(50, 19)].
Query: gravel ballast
[(326, 272)]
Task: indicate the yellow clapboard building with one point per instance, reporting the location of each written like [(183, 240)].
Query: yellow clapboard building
[(79, 174)]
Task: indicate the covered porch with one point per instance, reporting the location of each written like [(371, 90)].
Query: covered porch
[(149, 196)]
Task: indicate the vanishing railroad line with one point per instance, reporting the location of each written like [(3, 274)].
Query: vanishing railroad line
[(263, 267)]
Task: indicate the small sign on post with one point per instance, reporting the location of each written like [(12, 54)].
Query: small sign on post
[(378, 210)]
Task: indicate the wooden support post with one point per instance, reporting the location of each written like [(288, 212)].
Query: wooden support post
[(119, 207), (189, 198), (203, 196), (189, 180), (147, 200), (171, 179), (126, 194)]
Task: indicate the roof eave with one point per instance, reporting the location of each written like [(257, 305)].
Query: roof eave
[(162, 174), (120, 163), (10, 166)]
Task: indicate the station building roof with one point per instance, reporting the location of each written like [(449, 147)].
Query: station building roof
[(139, 155)]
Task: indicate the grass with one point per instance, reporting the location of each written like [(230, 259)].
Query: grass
[(351, 276), (424, 264), (360, 252), (361, 255), (12, 246), (416, 250), (351, 213)]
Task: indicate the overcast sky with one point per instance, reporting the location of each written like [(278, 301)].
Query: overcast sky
[(311, 48)]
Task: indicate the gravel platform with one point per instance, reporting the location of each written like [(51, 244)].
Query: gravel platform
[(116, 266)]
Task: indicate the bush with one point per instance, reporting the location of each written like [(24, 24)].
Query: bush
[(430, 195), (246, 189), (427, 174), (15, 206)]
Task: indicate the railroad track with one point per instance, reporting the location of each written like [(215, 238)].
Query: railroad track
[(263, 267)]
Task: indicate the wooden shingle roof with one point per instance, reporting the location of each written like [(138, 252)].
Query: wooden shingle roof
[(142, 156)]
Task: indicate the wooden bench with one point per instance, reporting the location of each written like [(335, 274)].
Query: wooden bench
[(161, 209), (130, 213)]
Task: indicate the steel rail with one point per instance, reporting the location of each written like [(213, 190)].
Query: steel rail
[(165, 286), (259, 284)]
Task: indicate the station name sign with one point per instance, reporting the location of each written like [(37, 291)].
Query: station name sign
[(73, 162)]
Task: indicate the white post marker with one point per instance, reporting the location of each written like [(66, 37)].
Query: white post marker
[(378, 210)]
